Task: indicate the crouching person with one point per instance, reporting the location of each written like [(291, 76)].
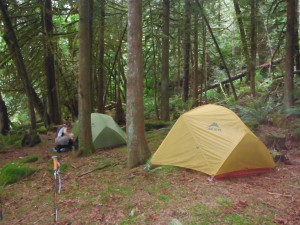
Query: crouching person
[(64, 139)]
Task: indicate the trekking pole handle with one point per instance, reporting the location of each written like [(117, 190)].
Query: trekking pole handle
[(55, 163)]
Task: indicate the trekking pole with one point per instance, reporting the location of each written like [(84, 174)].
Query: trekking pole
[(57, 186)]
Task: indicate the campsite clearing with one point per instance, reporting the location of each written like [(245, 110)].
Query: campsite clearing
[(116, 195)]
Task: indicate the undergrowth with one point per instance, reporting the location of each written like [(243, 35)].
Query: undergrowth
[(14, 171)]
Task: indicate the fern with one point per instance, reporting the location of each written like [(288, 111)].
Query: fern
[(258, 111)]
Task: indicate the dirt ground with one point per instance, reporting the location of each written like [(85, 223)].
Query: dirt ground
[(116, 195)]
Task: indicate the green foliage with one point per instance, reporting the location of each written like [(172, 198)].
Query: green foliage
[(178, 107), (12, 172), (257, 111), (10, 140), (41, 129), (29, 159)]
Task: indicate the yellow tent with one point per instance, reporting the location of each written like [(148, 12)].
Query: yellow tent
[(214, 140)]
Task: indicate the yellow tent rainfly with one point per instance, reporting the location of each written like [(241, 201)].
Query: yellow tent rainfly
[(214, 140)]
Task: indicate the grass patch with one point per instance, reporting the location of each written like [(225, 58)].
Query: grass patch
[(12, 172), (115, 193), (224, 201), (10, 140), (29, 159), (204, 214), (237, 220)]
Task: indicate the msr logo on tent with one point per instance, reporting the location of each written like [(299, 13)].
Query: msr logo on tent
[(214, 127)]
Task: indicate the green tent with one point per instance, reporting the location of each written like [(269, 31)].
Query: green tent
[(106, 133)]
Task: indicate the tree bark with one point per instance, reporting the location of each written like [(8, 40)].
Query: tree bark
[(4, 119), (196, 75), (187, 47), (100, 96), (164, 106), (297, 48), (288, 99), (253, 37), (138, 151), (47, 24), (85, 73), (242, 34)]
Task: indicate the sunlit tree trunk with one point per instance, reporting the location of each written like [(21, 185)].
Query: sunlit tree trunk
[(164, 106), (85, 74), (138, 151)]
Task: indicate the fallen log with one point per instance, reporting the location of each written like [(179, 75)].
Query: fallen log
[(239, 75)]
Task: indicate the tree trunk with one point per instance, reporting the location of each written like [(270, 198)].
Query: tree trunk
[(164, 105), (253, 36), (100, 89), (297, 48), (187, 47), (196, 75), (243, 34), (4, 120), (138, 151), (85, 74), (120, 115), (288, 100), (218, 49), (13, 45), (154, 66), (54, 111), (204, 65)]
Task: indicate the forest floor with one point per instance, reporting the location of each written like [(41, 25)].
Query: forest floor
[(117, 195)]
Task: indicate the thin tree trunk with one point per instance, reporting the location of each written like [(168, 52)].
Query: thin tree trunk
[(138, 151), (204, 64), (253, 36), (164, 105), (243, 35), (154, 69), (218, 49), (196, 75), (187, 47), (297, 49), (54, 111), (289, 59), (100, 97), (85, 74)]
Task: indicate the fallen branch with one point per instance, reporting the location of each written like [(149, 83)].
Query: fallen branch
[(271, 193), (98, 168), (239, 75)]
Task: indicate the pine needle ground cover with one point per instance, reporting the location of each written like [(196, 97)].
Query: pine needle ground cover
[(100, 190)]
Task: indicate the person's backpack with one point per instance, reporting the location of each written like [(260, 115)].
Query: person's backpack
[(58, 129)]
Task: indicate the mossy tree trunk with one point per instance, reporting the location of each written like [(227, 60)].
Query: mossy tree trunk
[(138, 151)]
